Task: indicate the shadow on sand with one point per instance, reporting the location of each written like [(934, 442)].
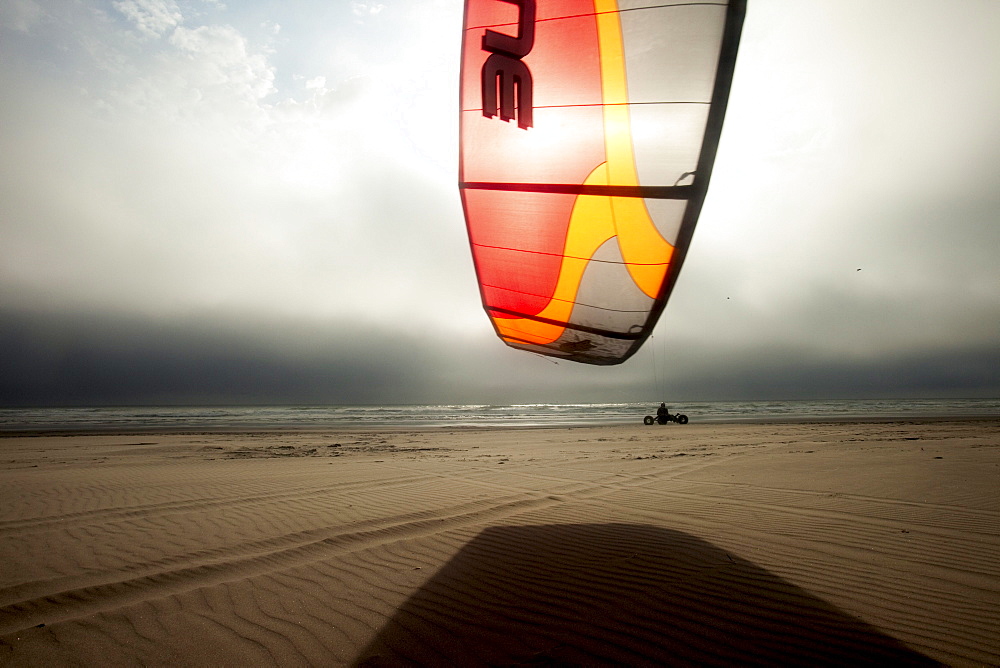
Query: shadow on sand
[(592, 594)]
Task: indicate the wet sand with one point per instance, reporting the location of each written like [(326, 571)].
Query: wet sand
[(796, 544)]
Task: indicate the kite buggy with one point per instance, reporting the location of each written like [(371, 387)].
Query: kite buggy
[(663, 416)]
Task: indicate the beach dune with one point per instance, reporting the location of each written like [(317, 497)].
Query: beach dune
[(797, 544)]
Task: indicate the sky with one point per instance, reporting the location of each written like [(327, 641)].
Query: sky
[(257, 202)]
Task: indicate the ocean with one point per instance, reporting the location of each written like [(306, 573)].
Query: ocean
[(251, 418)]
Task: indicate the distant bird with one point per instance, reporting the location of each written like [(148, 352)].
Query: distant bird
[(859, 269)]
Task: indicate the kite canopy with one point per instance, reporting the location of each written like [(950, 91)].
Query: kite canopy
[(588, 134)]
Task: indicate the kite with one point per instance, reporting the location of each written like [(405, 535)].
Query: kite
[(588, 132)]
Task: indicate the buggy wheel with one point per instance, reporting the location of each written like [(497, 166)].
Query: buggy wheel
[(682, 419), (648, 419)]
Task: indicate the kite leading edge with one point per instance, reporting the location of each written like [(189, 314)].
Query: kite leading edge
[(588, 135)]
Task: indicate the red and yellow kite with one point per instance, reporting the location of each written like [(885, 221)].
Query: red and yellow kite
[(588, 134)]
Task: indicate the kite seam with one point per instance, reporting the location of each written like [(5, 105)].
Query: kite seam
[(570, 257), (593, 306), (611, 334), (644, 192), (669, 5)]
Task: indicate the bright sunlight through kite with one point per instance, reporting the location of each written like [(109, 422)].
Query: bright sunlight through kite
[(588, 134)]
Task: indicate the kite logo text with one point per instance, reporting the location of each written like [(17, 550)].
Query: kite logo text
[(505, 71)]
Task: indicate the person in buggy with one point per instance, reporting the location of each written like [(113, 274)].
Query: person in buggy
[(663, 416)]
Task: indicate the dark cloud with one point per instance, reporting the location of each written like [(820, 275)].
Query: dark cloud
[(89, 359), (95, 359), (782, 373)]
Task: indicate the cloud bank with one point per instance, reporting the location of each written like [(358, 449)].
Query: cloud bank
[(258, 202)]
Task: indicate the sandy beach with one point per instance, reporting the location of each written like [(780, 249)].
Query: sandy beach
[(744, 544)]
